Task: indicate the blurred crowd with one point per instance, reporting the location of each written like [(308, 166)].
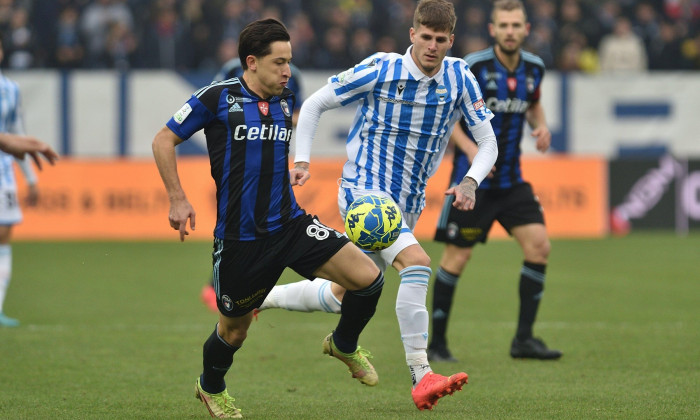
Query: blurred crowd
[(569, 35)]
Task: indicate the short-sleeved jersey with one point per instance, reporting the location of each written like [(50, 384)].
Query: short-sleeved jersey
[(248, 144), (403, 122), (10, 122), (232, 68), (508, 95)]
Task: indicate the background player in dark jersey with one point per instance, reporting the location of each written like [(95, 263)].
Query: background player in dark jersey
[(233, 68), (510, 80), (260, 229)]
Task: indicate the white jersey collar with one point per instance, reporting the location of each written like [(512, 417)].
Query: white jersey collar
[(415, 71)]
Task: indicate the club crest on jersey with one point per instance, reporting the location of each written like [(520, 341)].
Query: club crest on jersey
[(452, 230), (512, 83), (285, 107), (441, 92), (228, 304), (530, 82), (264, 108)]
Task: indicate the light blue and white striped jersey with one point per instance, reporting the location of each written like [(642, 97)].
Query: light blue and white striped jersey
[(10, 122), (403, 122)]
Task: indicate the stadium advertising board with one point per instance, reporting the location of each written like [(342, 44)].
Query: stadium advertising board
[(654, 193), (125, 199)]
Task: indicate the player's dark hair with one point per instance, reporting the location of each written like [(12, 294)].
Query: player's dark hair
[(508, 5), (256, 37), (438, 15)]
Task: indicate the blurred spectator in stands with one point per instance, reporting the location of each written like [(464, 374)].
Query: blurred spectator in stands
[(542, 30), (167, 41), (120, 46), (360, 12), (95, 23), (253, 11), (667, 28), (203, 20), (606, 15), (228, 50), (691, 51), (361, 44), (576, 55), (303, 38), (471, 31), (470, 44), (386, 44), (232, 17), (7, 8), (19, 41), (69, 49), (665, 51), (646, 23), (622, 50), (574, 18), (685, 10), (334, 53)]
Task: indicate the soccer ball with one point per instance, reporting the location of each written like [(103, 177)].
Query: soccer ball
[(373, 223)]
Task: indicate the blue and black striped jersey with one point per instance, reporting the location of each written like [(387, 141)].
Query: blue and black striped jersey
[(508, 95), (248, 143), (233, 68)]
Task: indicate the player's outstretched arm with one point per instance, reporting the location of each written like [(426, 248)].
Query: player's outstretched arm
[(180, 209), (19, 146)]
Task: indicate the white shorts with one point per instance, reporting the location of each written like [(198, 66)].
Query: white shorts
[(408, 222), (10, 212)]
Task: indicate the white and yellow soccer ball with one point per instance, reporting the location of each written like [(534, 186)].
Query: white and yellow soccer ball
[(373, 223)]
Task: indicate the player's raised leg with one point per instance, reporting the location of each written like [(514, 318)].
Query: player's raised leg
[(363, 282), (306, 296)]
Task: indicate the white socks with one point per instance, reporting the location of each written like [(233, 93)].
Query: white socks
[(303, 296), (5, 271), (413, 318)]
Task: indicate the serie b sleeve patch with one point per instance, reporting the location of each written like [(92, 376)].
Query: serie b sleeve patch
[(182, 113)]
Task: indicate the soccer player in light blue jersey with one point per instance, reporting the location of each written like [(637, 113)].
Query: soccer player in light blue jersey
[(10, 212), (407, 105)]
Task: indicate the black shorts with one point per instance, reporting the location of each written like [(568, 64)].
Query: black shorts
[(245, 271), (512, 207)]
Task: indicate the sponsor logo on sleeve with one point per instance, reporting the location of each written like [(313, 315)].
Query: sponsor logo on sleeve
[(180, 116)]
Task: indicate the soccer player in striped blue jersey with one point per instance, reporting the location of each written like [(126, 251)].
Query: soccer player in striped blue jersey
[(260, 229), (407, 106), (510, 79), (10, 212), (233, 68)]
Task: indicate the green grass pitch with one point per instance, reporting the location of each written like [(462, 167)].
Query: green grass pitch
[(114, 330)]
